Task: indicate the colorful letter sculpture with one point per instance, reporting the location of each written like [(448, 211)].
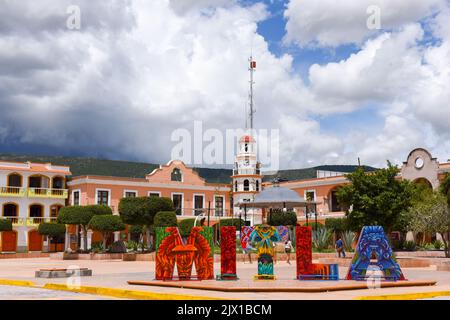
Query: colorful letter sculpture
[(264, 236), (374, 241), (283, 231), (245, 236), (227, 254), (306, 270), (170, 249)]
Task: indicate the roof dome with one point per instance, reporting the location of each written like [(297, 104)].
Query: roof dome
[(278, 194), (277, 197)]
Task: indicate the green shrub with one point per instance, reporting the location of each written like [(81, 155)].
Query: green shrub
[(348, 237), (280, 218), (165, 219), (142, 210), (97, 247), (106, 224), (132, 245), (185, 226), (5, 225), (437, 244), (136, 229), (321, 239), (52, 229), (410, 245), (336, 224)]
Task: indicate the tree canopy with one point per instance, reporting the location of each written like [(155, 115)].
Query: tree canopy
[(142, 210), (165, 219), (5, 225), (279, 218), (376, 198), (51, 229), (431, 215), (81, 214)]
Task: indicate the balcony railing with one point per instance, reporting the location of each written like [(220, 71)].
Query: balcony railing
[(31, 221), (34, 192), (246, 171), (12, 191), (47, 193)]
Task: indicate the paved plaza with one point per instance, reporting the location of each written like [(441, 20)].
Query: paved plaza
[(116, 273)]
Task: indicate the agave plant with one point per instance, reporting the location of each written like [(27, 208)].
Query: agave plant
[(321, 238), (348, 237)]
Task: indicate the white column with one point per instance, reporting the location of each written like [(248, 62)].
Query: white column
[(82, 235), (67, 241), (89, 239), (116, 236)]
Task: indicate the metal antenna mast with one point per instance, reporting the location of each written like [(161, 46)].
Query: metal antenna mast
[(252, 107)]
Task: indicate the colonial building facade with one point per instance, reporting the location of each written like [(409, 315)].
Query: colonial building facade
[(31, 193)]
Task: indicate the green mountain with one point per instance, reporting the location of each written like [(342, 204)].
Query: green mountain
[(90, 166)]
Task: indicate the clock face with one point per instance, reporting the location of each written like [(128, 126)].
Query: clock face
[(419, 163)]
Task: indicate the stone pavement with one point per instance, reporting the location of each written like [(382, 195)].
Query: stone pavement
[(116, 273)]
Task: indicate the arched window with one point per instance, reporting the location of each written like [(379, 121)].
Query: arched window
[(15, 180), (257, 185), (11, 211), (246, 185), (177, 175), (246, 147), (235, 186)]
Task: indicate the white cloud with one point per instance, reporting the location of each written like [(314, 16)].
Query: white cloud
[(332, 23)]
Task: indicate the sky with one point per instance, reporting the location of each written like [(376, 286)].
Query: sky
[(135, 71)]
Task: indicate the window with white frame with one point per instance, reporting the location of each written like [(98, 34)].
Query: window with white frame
[(103, 197), (130, 194), (199, 201), (76, 198)]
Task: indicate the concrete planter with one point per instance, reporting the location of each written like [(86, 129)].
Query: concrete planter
[(70, 256), (129, 256)]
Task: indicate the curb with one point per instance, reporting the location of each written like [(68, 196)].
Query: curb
[(111, 292), (407, 296), (124, 293), (19, 283)]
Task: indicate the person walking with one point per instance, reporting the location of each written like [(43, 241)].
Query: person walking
[(274, 245), (248, 251), (287, 249), (340, 247)]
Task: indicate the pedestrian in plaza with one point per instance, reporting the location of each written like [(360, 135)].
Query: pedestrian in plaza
[(287, 249), (340, 247), (248, 251)]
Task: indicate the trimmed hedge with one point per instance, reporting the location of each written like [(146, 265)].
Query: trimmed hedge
[(106, 223), (282, 218), (165, 219), (142, 210), (5, 225), (52, 229), (81, 214), (136, 229)]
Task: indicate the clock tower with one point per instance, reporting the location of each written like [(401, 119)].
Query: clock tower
[(247, 179)]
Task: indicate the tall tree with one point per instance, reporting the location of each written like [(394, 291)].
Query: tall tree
[(82, 215), (431, 215), (377, 198)]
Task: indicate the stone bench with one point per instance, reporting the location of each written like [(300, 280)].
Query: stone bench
[(63, 273)]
